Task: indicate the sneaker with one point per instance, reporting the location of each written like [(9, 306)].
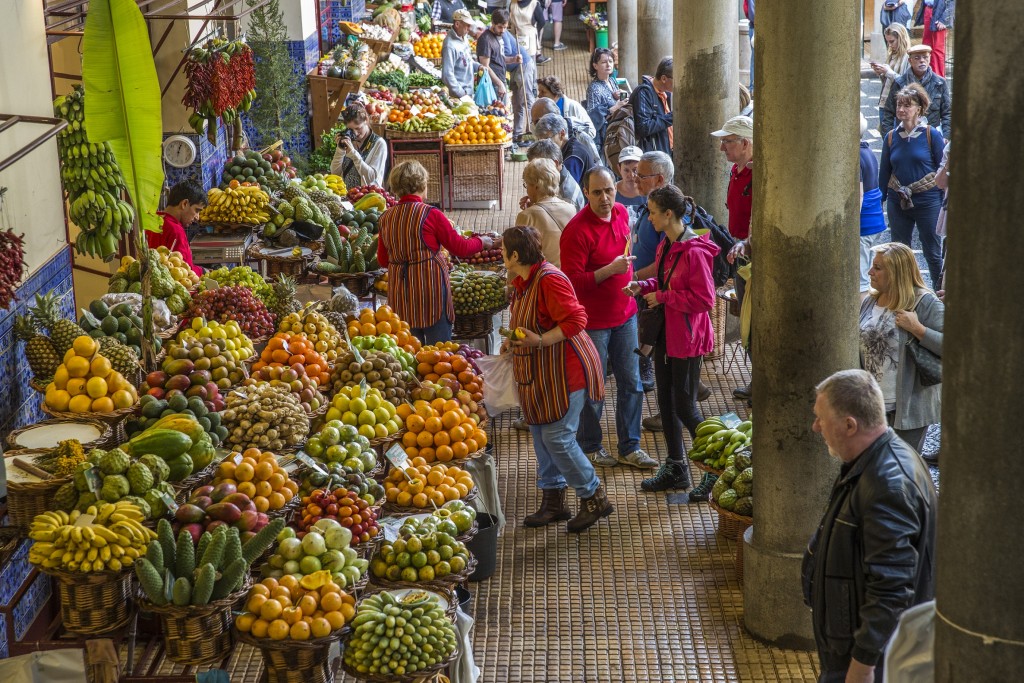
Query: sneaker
[(521, 425), (742, 392), (543, 59), (561, 46), (639, 458), (602, 458), (702, 491), (671, 475), (653, 423)]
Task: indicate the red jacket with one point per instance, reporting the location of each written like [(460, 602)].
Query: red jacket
[(690, 295), (174, 238)]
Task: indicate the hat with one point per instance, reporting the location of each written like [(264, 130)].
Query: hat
[(891, 4), (740, 126), (630, 154), (927, 49), (462, 15)]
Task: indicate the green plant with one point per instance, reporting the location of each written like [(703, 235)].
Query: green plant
[(319, 160), (275, 113)]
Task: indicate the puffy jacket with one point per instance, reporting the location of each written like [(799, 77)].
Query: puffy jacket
[(650, 122), (873, 554), (940, 111), (942, 11), (690, 295)]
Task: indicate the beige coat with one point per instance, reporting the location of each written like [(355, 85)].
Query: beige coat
[(548, 217), (521, 25)]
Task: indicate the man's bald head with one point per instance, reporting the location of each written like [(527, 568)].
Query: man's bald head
[(542, 106)]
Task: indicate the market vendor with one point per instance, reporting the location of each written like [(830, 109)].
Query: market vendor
[(411, 236), (458, 64), (443, 11), (184, 202), (556, 369), (362, 154)]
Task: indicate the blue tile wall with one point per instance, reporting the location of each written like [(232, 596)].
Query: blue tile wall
[(209, 163), (12, 575), (20, 405), (335, 11)]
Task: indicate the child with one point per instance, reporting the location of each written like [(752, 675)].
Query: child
[(184, 202)]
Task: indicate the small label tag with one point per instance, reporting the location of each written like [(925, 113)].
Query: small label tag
[(397, 456), (172, 506), (391, 525), (310, 463), (168, 585), (237, 459), (731, 420), (84, 519), (93, 480)]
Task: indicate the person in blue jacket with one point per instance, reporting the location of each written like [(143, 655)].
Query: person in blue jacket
[(652, 110), (894, 12), (872, 220)]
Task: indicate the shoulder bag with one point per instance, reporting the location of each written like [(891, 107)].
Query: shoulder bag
[(929, 365)]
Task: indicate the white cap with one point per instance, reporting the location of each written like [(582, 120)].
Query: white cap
[(740, 126), (463, 15), (630, 154)]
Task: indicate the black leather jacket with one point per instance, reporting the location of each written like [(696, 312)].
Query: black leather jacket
[(873, 554)]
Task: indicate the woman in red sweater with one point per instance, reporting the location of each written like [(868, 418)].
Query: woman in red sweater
[(410, 240), (685, 290)]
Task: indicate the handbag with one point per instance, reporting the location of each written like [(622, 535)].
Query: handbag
[(650, 322), (929, 366)]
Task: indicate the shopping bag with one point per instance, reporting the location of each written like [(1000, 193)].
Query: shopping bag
[(500, 391), (485, 94), (744, 272)]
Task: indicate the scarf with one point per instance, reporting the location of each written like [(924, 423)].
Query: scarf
[(664, 103), (923, 184)]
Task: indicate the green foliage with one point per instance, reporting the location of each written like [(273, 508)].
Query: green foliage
[(275, 112), (319, 160)]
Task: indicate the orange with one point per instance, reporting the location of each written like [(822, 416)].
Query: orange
[(459, 450), (452, 493), (416, 462), (433, 425), (255, 602), (226, 470), (457, 433), (425, 438), (263, 489), (428, 454), (480, 436), (261, 503), (270, 583), (277, 480), (391, 495), (414, 423), (259, 589), (404, 410), (248, 488), (451, 405), (348, 610), (420, 500), (271, 609), (462, 489), (438, 405), (328, 588), (437, 498), (244, 622), (404, 499), (409, 440), (277, 500), (259, 628), (307, 605), (445, 453), (435, 477), (335, 619), (300, 631), (244, 472), (264, 470), (451, 419), (320, 628), (471, 445), (291, 615), (412, 451), (331, 602), (442, 439), (278, 630), (368, 330)]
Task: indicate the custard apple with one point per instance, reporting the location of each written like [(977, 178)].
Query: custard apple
[(166, 487), (157, 467), (156, 504), (115, 487), (66, 497), (744, 506), (85, 500), (139, 478), (115, 462), (81, 483), (720, 487), (729, 474), (95, 455)]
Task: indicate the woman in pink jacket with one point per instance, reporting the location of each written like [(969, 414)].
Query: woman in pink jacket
[(685, 290)]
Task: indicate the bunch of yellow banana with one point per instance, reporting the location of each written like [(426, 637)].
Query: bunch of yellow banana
[(107, 537), (241, 204), (336, 184)]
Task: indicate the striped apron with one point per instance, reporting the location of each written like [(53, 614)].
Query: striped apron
[(540, 372), (418, 286)]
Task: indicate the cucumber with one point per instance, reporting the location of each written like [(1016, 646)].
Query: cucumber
[(150, 580)]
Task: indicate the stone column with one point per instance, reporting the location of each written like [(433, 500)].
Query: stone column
[(705, 94), (804, 288), (627, 41), (743, 51), (979, 592), (654, 23), (613, 23)]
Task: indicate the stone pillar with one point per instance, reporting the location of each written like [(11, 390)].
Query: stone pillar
[(979, 594), (613, 23), (654, 23), (627, 41), (705, 94), (804, 288), (743, 51)]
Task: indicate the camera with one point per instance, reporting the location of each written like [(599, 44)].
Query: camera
[(347, 134)]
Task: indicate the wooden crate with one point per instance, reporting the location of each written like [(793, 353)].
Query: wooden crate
[(476, 172), (430, 153), (328, 98)]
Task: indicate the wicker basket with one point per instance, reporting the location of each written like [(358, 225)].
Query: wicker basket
[(360, 284), (93, 603), (446, 592), (706, 468), (475, 325), (25, 500), (401, 510), (197, 634), (275, 265), (718, 316), (731, 525), (397, 134), (446, 582), (428, 675), (104, 441), (295, 661), (382, 443), (37, 385), (113, 418)]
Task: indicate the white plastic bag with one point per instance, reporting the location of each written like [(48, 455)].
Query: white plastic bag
[(500, 392)]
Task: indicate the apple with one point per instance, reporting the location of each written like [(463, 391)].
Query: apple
[(313, 544), (290, 567), (290, 549), (310, 564)]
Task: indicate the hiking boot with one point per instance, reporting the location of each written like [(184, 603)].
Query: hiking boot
[(591, 510), (560, 46), (653, 423), (742, 392), (521, 425), (639, 458), (703, 392), (702, 491), (647, 373), (552, 509), (671, 475), (602, 458)]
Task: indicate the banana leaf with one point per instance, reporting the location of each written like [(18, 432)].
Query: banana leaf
[(123, 92)]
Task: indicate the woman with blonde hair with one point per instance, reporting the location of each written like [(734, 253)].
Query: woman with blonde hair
[(900, 310), (547, 213), (897, 61)]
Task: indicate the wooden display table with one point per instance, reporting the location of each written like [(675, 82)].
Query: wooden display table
[(328, 97)]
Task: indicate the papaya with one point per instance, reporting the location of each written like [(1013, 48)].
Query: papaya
[(202, 453), (370, 201), (186, 424), (166, 444), (180, 467), (350, 28)]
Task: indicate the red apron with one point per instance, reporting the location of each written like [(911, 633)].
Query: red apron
[(540, 372), (418, 286)]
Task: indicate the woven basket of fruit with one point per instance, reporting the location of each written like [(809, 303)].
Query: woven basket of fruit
[(444, 595), (26, 498), (281, 261), (706, 468), (93, 603), (448, 581), (360, 284), (475, 325), (731, 525), (288, 661), (402, 510)]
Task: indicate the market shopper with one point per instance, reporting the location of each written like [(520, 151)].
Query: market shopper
[(554, 15), (873, 554), (490, 51), (897, 62), (895, 12), (522, 77), (443, 11), (595, 249), (577, 157), (939, 111), (568, 188), (684, 289), (551, 88), (911, 155), (184, 202), (410, 238), (362, 155), (547, 213), (936, 16), (604, 98), (901, 309), (525, 21), (557, 372), (458, 64), (652, 110), (627, 189), (872, 219)]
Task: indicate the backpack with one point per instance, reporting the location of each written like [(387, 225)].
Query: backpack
[(619, 134), (721, 269)]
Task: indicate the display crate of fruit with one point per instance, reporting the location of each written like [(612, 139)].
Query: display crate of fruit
[(328, 95), (273, 261)]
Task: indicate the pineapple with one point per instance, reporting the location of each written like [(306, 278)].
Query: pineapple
[(284, 294), (337, 320), (42, 357), (123, 359), (63, 332)]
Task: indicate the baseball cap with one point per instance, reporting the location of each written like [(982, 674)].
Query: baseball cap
[(630, 154), (919, 49), (463, 15), (740, 126)]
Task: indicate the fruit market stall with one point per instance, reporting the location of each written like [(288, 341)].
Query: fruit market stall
[(338, 75), (476, 161)]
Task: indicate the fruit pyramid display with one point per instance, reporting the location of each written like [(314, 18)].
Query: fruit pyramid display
[(360, 191), (298, 382), (201, 368), (239, 276), (265, 417), (332, 475), (152, 409), (87, 383), (440, 431), (383, 321), (248, 166), (237, 204), (344, 507), (429, 46), (236, 344), (238, 304), (421, 553), (735, 486), (286, 350), (424, 485), (128, 278), (376, 646), (319, 207), (111, 538), (365, 409), (477, 291), (179, 440), (316, 328), (379, 369), (325, 547), (117, 477), (258, 475), (118, 322), (479, 130), (341, 444), (288, 609), (209, 507)]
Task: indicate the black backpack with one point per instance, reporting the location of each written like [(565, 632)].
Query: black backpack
[(722, 270)]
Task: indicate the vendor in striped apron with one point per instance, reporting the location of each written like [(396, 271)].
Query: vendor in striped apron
[(556, 368), (410, 239)]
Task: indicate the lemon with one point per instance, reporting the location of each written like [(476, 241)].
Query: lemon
[(100, 366), (77, 366), (122, 399), (366, 417), (58, 399), (69, 355), (60, 377), (368, 431), (96, 387), (85, 345), (103, 404), (80, 404), (116, 381), (76, 386)]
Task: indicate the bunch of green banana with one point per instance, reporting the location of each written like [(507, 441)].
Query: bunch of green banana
[(108, 537), (92, 180), (715, 442), (421, 125)]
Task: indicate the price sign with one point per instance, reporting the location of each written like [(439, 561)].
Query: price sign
[(168, 501), (84, 519), (390, 526), (169, 585), (93, 480), (310, 463), (397, 456), (731, 420)]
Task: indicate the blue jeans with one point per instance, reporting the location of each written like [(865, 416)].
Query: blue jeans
[(924, 214), (615, 347), (440, 331), (560, 460)]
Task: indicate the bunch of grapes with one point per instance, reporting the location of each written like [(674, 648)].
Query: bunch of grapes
[(240, 276), (236, 303)]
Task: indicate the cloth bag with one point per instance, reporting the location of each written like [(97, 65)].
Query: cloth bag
[(500, 393)]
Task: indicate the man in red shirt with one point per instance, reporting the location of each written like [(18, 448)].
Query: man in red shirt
[(737, 136), (595, 248), (184, 202)]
